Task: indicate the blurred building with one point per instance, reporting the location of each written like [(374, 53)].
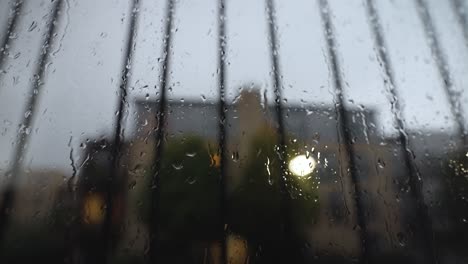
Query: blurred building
[(315, 128), (324, 211)]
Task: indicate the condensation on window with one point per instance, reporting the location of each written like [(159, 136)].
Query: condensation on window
[(218, 131)]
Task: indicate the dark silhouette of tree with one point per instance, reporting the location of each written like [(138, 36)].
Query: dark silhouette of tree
[(188, 204), (255, 205)]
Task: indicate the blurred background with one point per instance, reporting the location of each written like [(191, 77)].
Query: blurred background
[(219, 131)]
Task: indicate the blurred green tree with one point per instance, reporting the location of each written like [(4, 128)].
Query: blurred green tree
[(189, 204)]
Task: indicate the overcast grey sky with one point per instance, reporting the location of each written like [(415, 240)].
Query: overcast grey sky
[(79, 99)]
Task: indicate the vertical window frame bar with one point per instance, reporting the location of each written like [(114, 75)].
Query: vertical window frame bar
[(11, 27), (343, 125), (9, 194), (222, 43), (118, 139), (408, 154), (154, 247)]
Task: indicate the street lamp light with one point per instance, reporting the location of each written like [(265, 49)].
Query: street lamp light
[(302, 165)]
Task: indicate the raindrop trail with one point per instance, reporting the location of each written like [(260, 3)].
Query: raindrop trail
[(71, 185), (460, 13), (222, 125), (443, 68), (11, 27), (286, 198), (343, 123), (71, 180), (410, 164), (117, 142), (154, 246), (23, 136)]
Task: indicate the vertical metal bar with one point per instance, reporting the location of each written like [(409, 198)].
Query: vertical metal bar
[(222, 124), (161, 117), (460, 12), (343, 124), (116, 147), (439, 57), (443, 68), (26, 124), (286, 198), (11, 27), (414, 177)]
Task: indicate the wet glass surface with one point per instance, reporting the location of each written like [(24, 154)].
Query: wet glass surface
[(218, 131)]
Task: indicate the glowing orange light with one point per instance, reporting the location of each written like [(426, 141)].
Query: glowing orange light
[(93, 209)]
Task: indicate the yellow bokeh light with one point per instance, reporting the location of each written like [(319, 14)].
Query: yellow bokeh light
[(216, 160), (302, 165), (93, 209)]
